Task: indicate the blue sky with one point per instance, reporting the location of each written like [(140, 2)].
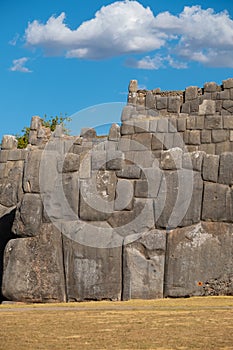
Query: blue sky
[(62, 56)]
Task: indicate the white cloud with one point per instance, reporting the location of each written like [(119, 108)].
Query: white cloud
[(126, 27), (155, 62), (19, 65), (119, 28)]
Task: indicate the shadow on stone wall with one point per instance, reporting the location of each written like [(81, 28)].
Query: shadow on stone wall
[(6, 234)]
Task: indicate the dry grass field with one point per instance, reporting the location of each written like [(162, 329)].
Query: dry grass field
[(195, 323)]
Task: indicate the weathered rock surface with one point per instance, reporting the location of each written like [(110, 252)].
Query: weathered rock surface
[(196, 256), (38, 275), (143, 266)]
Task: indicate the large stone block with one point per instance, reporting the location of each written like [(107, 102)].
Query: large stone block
[(226, 168), (92, 272), (9, 142), (213, 122), (136, 221), (28, 216), (174, 198), (228, 84), (31, 179), (11, 183), (129, 171), (124, 195), (171, 159), (192, 213), (191, 93), (97, 196), (174, 104), (217, 203), (210, 167), (196, 256), (143, 266), (207, 107), (33, 268)]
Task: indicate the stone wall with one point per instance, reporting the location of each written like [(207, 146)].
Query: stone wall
[(146, 212)]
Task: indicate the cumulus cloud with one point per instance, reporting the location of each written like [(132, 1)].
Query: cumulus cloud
[(126, 27), (155, 62), (19, 65)]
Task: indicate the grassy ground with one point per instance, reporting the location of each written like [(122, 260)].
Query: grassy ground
[(195, 323)]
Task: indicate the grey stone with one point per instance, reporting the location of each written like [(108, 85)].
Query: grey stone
[(213, 122), (129, 172), (124, 195), (136, 221), (171, 159), (141, 142), (33, 268), (127, 112), (210, 87), (208, 148), (217, 203), (161, 103), (162, 125), (142, 125), (192, 212), (185, 107), (150, 100), (228, 84), (222, 147), (143, 158), (181, 124), (220, 135), (114, 132), (29, 216), (194, 106), (192, 262), (36, 123), (70, 163), (153, 125), (228, 104), (133, 86), (223, 95), (193, 160), (143, 266), (124, 143), (88, 133), (206, 136), (92, 273), (157, 142), (174, 104), (9, 142), (97, 196), (70, 186), (226, 168), (191, 93), (228, 122), (114, 160), (207, 107), (31, 172), (85, 166), (174, 198), (98, 160), (191, 122), (11, 184), (127, 128), (194, 137), (3, 156), (210, 167)]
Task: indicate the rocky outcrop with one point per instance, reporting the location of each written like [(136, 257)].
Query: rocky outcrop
[(146, 212)]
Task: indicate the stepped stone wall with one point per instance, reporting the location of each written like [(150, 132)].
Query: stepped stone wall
[(145, 212)]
